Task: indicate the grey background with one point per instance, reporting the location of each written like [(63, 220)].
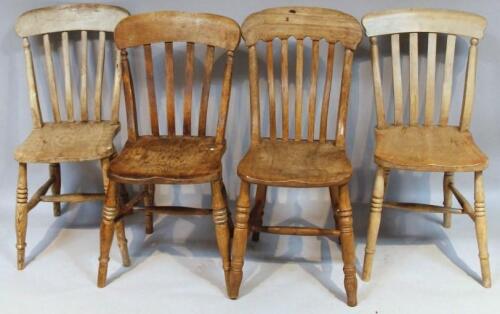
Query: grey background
[(284, 206)]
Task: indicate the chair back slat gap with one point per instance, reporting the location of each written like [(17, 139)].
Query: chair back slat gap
[(447, 79), (430, 88), (188, 90), (325, 104), (68, 93), (285, 120), (51, 78), (313, 90), (414, 99), (205, 90), (396, 77), (30, 74), (99, 75), (84, 109), (299, 76), (150, 82), (170, 87)]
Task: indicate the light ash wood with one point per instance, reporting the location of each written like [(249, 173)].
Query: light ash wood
[(304, 161), (64, 139), (153, 159), (431, 146)]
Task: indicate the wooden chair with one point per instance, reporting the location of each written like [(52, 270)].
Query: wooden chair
[(427, 141), (294, 160), (69, 137), (186, 158)]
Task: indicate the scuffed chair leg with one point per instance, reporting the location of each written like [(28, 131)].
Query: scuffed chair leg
[(447, 195), (149, 200), (21, 214), (258, 210), (481, 228), (374, 223), (109, 214), (348, 246), (239, 240), (55, 172), (222, 234)]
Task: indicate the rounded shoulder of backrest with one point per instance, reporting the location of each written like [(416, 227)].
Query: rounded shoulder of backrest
[(174, 26), (424, 20), (301, 22), (70, 17)]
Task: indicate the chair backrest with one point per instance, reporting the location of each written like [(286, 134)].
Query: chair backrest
[(165, 28), (424, 23), (300, 22), (59, 21)]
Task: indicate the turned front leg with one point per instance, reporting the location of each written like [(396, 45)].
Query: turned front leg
[(109, 214), (220, 218), (481, 228), (21, 214), (347, 244), (239, 240)]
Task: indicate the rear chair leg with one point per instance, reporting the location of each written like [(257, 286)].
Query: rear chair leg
[(447, 193), (149, 200), (258, 210), (222, 234), (481, 228), (348, 246), (55, 172), (334, 196), (21, 214)]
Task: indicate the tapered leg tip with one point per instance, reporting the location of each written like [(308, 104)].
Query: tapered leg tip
[(352, 303), (487, 283), (366, 277), (255, 237), (20, 266)]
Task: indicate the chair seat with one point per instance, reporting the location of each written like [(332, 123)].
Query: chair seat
[(437, 149), (68, 142), (295, 164), (168, 160)]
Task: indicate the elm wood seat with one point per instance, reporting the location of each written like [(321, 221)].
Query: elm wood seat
[(428, 149), (427, 141), (192, 157), (288, 157), (68, 142), (280, 163), (76, 136), (168, 160)]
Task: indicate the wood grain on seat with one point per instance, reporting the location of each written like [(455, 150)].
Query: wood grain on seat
[(428, 149), (167, 159), (295, 164)]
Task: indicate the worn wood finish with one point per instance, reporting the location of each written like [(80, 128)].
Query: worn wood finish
[(65, 139), (304, 161), (431, 146), (152, 159)]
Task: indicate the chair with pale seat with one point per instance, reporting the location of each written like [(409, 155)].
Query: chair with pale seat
[(426, 141), (297, 155), (187, 153), (72, 135)]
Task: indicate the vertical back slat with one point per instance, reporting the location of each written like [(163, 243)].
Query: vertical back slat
[(99, 76), (128, 90), (284, 89), (470, 86), (253, 70), (115, 102), (84, 109), (205, 90), (414, 79), (344, 97), (377, 83), (224, 102), (150, 82), (188, 91), (33, 91), (51, 78), (312, 90), (270, 88), (170, 88), (396, 78), (326, 92), (430, 88), (447, 79), (68, 93), (298, 88)]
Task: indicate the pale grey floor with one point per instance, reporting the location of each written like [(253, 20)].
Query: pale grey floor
[(419, 267)]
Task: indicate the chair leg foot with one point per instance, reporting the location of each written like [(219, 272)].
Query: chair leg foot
[(122, 242), (481, 229), (106, 234), (21, 214)]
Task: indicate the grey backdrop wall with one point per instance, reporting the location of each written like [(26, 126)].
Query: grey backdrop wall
[(15, 119)]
